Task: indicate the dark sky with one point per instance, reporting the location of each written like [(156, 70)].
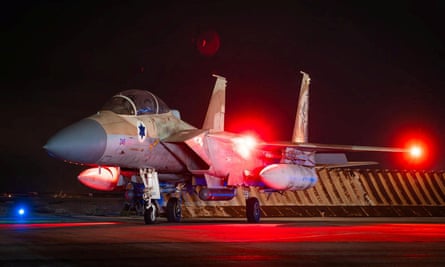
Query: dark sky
[(376, 69)]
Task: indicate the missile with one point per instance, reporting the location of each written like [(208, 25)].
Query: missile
[(289, 177)]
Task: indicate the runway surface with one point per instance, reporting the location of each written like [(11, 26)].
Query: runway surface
[(126, 241)]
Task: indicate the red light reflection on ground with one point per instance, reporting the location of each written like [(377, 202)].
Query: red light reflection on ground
[(51, 225), (342, 233)]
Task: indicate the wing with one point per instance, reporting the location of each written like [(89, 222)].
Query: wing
[(298, 151), (301, 151), (320, 155), (314, 147)]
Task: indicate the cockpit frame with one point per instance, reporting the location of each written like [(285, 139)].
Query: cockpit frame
[(135, 102)]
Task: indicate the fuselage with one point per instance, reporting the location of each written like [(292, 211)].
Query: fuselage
[(127, 141), (135, 130), (135, 141)]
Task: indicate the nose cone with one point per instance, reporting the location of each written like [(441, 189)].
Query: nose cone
[(81, 142)]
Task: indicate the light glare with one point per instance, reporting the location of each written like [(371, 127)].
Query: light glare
[(416, 151), (244, 145), (21, 211)]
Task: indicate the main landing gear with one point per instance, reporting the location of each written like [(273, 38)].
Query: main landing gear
[(174, 211), (253, 211)]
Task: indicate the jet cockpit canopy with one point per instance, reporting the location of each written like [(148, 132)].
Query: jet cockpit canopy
[(136, 102)]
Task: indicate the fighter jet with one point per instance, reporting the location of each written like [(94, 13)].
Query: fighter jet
[(136, 139)]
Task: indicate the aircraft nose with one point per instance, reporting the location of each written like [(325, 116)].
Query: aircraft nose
[(81, 142)]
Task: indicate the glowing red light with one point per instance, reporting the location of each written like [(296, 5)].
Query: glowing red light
[(244, 145), (420, 150), (254, 124), (416, 151)]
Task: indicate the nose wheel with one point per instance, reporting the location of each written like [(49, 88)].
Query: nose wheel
[(150, 214), (152, 192)]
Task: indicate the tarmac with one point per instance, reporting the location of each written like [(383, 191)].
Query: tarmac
[(67, 230), (52, 240)]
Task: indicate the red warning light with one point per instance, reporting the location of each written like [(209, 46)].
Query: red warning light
[(416, 151), (416, 156), (420, 150)]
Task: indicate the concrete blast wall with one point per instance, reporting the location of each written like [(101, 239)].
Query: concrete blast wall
[(342, 192)]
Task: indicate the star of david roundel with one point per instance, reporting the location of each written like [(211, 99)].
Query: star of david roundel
[(142, 131)]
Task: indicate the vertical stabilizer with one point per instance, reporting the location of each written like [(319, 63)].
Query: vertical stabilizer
[(300, 134), (214, 119)]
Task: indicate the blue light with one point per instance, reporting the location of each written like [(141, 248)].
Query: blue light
[(21, 211)]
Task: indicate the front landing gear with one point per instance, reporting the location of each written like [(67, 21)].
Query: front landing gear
[(150, 214), (253, 211), (151, 191)]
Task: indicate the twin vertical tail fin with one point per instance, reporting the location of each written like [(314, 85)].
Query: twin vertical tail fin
[(300, 134), (214, 119)]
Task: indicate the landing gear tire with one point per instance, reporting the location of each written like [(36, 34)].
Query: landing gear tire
[(253, 211), (150, 215), (174, 210)]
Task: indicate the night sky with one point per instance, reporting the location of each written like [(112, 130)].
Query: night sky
[(377, 72)]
